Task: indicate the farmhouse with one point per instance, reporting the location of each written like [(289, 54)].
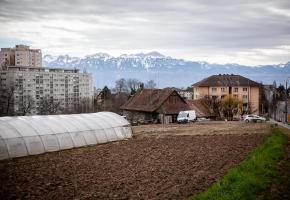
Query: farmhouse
[(200, 108), (239, 87), (154, 105)]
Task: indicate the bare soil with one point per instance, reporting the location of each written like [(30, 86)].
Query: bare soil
[(170, 162), (201, 128)]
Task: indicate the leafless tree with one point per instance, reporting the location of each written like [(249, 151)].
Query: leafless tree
[(7, 97), (230, 107), (84, 105), (121, 85), (150, 84), (214, 105), (48, 106), (26, 105), (133, 85)]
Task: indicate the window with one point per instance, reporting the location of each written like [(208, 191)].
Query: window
[(245, 89), (213, 89), (236, 96), (236, 89), (214, 97), (245, 96), (223, 89)]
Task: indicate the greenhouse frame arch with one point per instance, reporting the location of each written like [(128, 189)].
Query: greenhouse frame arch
[(30, 135)]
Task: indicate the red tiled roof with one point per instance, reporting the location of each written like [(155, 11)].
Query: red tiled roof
[(148, 100), (199, 107), (225, 80)]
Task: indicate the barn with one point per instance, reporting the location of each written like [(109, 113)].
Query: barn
[(30, 135), (154, 106), (200, 108)]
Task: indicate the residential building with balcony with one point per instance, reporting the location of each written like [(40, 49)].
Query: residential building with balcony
[(27, 88), (67, 88), (222, 85)]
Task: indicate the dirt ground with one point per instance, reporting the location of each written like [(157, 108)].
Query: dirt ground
[(160, 162), (200, 128)]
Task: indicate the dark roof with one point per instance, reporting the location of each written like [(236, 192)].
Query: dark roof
[(200, 108), (148, 100), (225, 80), (173, 88)]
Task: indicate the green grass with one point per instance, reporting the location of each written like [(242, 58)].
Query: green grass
[(253, 175)]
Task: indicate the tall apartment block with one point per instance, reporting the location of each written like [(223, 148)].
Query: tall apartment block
[(34, 89), (21, 55)]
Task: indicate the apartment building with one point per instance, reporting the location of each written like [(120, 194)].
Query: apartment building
[(27, 88), (239, 87), (21, 56), (67, 88)]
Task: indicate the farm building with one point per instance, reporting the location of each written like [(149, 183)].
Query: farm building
[(154, 105), (200, 108), (30, 135)]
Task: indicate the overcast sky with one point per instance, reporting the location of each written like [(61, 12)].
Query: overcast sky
[(250, 32)]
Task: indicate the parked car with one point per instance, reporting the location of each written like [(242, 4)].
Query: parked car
[(186, 116), (254, 118)]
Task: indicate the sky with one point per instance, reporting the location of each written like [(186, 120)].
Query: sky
[(249, 32)]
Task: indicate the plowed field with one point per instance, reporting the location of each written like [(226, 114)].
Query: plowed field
[(172, 162)]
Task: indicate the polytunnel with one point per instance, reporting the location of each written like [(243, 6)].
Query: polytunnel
[(30, 135)]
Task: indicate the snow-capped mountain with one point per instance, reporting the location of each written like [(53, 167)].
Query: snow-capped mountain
[(164, 70)]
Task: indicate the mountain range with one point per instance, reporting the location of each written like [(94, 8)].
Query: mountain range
[(164, 70)]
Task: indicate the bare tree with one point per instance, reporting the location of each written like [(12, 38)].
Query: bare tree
[(121, 85), (230, 107), (214, 104), (150, 84), (48, 106), (84, 105), (7, 97), (133, 85), (26, 105)]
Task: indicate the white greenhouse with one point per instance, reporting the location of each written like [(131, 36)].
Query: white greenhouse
[(30, 135)]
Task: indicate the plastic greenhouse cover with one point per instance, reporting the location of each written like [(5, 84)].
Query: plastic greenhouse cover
[(29, 135)]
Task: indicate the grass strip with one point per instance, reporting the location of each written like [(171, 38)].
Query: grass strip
[(253, 175)]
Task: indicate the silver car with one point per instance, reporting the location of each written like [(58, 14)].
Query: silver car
[(254, 118)]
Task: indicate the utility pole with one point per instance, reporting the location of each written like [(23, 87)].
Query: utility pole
[(286, 102), (248, 97)]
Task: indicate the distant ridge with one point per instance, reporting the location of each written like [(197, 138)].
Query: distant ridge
[(164, 70)]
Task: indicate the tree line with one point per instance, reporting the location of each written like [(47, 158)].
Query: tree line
[(106, 100), (112, 99)]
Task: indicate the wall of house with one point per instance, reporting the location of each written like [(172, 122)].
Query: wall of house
[(254, 100), (200, 92), (173, 105), (137, 116), (144, 117), (245, 94)]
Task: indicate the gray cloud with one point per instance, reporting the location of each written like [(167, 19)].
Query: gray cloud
[(200, 29)]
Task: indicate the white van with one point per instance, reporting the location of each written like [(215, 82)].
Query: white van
[(186, 116)]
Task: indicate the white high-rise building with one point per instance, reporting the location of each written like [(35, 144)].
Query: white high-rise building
[(26, 90), (22, 56)]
